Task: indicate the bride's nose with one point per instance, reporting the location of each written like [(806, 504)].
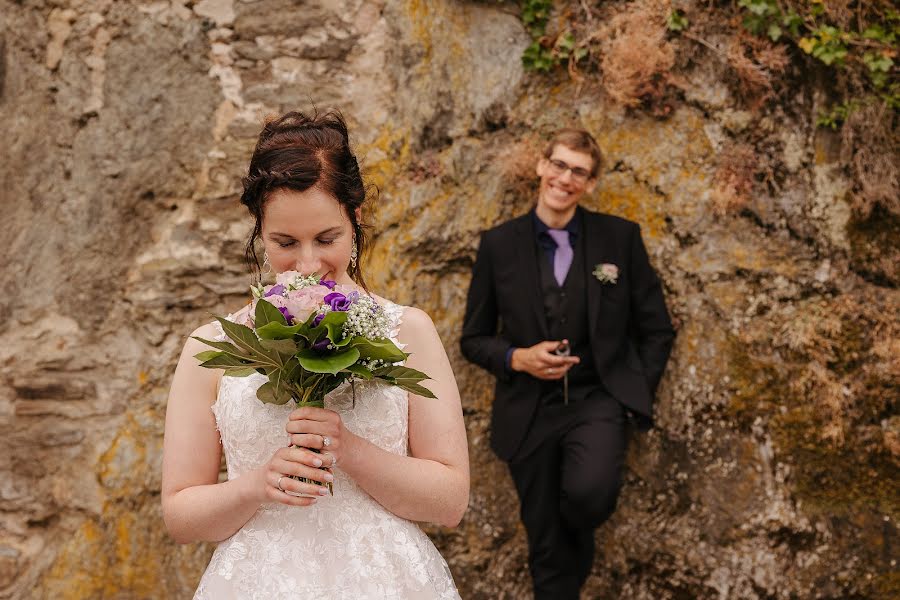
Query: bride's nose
[(308, 263)]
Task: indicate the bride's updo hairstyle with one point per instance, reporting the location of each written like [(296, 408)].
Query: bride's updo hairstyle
[(298, 151)]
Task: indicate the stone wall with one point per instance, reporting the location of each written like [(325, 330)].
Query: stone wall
[(127, 125)]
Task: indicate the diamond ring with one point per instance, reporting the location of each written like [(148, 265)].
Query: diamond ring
[(326, 441)]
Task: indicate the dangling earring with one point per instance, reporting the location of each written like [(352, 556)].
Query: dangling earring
[(266, 264), (354, 252)]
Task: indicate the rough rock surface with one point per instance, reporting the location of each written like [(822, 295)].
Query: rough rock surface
[(773, 472)]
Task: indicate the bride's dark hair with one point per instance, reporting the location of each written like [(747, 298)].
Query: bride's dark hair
[(299, 151)]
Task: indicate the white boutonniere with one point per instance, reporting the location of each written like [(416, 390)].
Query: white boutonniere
[(606, 273)]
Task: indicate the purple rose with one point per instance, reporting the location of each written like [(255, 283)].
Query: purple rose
[(277, 290), (321, 345), (328, 283), (340, 302), (287, 316), (318, 319)]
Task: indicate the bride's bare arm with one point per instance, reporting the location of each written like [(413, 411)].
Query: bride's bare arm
[(432, 484), (196, 507)]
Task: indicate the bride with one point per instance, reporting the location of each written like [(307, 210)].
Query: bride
[(393, 457)]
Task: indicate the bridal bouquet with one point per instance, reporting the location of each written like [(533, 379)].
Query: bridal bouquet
[(308, 336)]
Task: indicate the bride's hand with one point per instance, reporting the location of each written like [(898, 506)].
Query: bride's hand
[(279, 487), (320, 429)]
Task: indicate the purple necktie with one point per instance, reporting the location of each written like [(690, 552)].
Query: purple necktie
[(562, 258)]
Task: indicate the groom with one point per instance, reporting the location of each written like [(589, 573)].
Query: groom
[(562, 279)]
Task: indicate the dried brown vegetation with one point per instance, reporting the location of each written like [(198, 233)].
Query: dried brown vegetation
[(734, 179), (872, 151), (637, 57), (758, 65), (517, 164)]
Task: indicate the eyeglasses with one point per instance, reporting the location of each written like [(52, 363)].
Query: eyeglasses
[(558, 167)]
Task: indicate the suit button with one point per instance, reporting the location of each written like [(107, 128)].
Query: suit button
[(563, 320)]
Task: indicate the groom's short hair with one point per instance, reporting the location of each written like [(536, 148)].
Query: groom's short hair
[(578, 140)]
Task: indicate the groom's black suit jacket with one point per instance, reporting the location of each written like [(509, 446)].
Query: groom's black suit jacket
[(630, 331)]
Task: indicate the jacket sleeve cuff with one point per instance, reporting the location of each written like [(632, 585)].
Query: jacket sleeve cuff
[(508, 362)]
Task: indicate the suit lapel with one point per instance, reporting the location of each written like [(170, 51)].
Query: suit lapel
[(527, 253), (597, 250)]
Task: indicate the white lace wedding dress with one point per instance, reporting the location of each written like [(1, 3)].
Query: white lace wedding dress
[(345, 546)]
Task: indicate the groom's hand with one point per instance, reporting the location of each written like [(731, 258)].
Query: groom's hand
[(540, 362)]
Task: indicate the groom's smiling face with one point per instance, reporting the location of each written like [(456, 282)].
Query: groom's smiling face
[(565, 178)]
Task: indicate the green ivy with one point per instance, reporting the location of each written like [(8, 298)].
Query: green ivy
[(677, 21), (543, 54), (835, 117), (871, 51)]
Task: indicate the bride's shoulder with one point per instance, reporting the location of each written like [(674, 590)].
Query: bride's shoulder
[(212, 329), (414, 322), (408, 316)]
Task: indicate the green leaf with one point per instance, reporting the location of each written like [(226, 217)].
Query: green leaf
[(360, 371), (793, 22), (240, 335), (327, 363), (286, 347), (283, 379), (774, 32), (224, 361), (244, 338), (406, 378), (239, 372), (677, 21), (206, 355), (267, 313), (332, 325), (226, 347), (417, 389), (277, 331), (269, 393), (385, 350)]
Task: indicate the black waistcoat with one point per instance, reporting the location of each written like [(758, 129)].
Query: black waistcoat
[(566, 312)]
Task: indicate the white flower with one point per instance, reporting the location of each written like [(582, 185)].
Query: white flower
[(292, 280), (606, 273), (367, 319)]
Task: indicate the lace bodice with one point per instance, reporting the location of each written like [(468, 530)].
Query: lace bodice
[(344, 546)]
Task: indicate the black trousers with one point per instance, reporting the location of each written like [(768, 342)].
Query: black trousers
[(568, 477)]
